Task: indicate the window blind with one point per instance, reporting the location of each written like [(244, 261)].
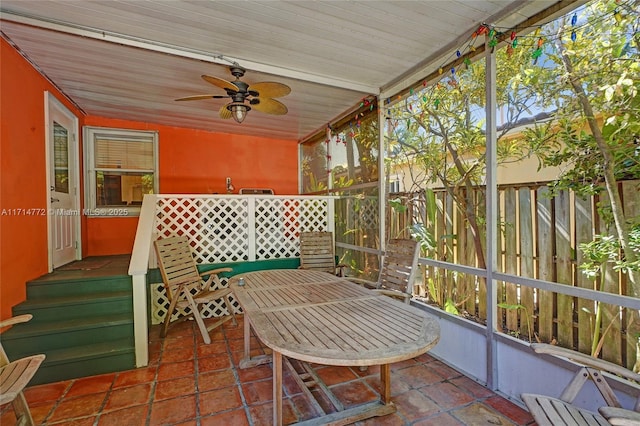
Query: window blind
[(120, 154)]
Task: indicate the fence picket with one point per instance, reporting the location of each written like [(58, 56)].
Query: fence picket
[(546, 266), (564, 275), (585, 308), (611, 327), (525, 224), (511, 255)]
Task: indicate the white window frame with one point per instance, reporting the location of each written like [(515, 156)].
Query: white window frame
[(90, 134)]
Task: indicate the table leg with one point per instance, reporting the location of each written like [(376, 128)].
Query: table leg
[(247, 338), (277, 388), (385, 383), (247, 361)]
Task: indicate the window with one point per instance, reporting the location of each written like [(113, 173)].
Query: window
[(394, 185), (348, 157), (121, 167)]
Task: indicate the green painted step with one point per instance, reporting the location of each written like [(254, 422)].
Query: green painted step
[(80, 306), (82, 321), (86, 360), (43, 337), (39, 289)]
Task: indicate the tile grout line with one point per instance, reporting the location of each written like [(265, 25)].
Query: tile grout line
[(236, 376)]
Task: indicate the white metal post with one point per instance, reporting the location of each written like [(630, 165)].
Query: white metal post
[(492, 215), (382, 181)]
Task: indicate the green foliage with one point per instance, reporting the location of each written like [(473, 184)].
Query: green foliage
[(397, 205), (605, 249), (603, 62), (525, 314), (425, 238), (587, 88), (450, 307), (315, 185)]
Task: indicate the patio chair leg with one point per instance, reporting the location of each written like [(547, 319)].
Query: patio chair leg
[(21, 410), (198, 318), (230, 308), (167, 318)]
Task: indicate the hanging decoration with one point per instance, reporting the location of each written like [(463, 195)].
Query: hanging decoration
[(417, 102), (327, 140)]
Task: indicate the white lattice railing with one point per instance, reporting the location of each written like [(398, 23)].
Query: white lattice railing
[(221, 229)]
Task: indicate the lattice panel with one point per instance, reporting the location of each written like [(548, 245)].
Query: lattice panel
[(177, 216), (364, 215), (313, 215), (217, 227), (276, 228), (225, 236), (160, 305)]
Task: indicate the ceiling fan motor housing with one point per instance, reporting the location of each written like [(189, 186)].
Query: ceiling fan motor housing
[(237, 71)]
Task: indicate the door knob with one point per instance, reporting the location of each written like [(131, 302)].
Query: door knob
[(54, 200)]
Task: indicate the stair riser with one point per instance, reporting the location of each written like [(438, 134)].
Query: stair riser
[(68, 312), (48, 373), (21, 346), (39, 290)]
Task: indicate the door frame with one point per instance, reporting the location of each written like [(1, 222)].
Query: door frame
[(50, 102)]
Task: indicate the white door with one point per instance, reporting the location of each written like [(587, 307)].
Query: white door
[(62, 180)]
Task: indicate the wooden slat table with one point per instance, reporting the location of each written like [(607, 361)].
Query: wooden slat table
[(316, 317)]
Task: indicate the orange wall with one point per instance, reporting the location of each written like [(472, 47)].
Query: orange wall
[(23, 238), (198, 162), (190, 161)]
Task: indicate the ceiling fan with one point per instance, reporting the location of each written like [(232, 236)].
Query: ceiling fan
[(258, 96)]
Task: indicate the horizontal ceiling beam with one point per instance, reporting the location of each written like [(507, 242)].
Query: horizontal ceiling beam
[(97, 34)]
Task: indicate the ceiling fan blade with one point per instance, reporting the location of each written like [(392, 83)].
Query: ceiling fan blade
[(270, 106), (198, 97), (270, 89), (221, 83), (225, 114)]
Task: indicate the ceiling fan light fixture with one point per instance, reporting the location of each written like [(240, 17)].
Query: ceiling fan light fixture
[(244, 97), (238, 111)]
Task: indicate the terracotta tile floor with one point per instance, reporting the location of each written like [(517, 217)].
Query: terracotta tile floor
[(190, 383)]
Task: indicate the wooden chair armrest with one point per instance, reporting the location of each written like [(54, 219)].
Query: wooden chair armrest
[(213, 277), (365, 283), (15, 320), (405, 297), (586, 360), (215, 271), (620, 416)]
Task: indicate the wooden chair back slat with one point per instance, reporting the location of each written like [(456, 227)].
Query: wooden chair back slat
[(317, 251), (399, 265)]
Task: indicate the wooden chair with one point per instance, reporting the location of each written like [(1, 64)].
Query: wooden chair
[(552, 411), (186, 287), (317, 253), (15, 375), (399, 266)]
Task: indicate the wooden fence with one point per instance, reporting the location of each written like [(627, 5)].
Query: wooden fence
[(539, 237)]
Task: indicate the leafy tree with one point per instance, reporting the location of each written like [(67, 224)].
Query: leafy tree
[(574, 80), (440, 132), (595, 136)]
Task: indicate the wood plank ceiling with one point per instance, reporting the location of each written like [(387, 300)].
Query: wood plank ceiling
[(131, 59)]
